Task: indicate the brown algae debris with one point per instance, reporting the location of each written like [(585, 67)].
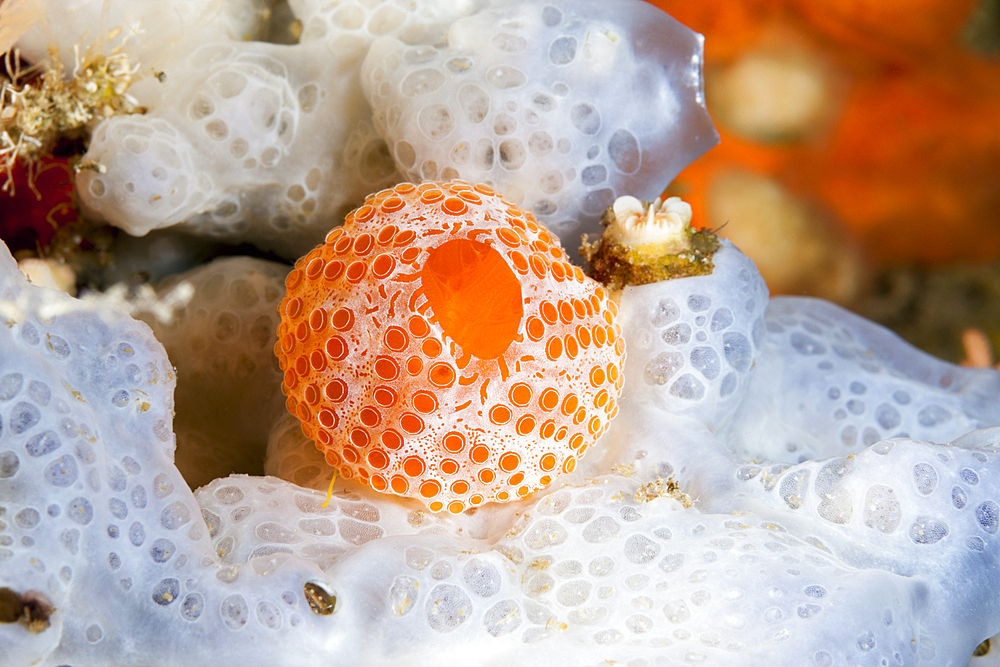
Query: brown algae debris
[(645, 242)]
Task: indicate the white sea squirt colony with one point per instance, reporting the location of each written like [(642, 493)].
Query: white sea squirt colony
[(770, 489)]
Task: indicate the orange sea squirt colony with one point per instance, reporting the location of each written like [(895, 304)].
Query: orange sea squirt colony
[(441, 346)]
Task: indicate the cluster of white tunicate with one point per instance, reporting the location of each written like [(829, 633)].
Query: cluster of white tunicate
[(218, 323), (255, 141), (553, 103), (565, 106), (838, 560)]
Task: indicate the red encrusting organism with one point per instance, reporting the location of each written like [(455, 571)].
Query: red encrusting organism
[(440, 345)]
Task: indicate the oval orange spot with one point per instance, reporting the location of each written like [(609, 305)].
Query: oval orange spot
[(317, 319), (597, 376), (470, 197), (302, 365), (583, 336), (579, 308), (395, 339), (484, 189), (391, 439), (327, 419), (571, 346), (516, 479), (314, 268), (294, 307), (350, 454), (558, 271), (500, 414), (425, 402), (332, 458), (570, 404), (293, 279), (405, 237), (486, 476), (379, 483), (333, 269), (364, 213), (594, 426), (620, 347), (336, 390), (549, 399), (520, 394), (356, 271), (383, 266), (601, 399), (509, 461), (548, 312), (370, 417), (410, 254), (576, 441), (479, 454), (414, 466), (441, 375), (547, 429), (460, 488), (343, 319), (411, 423), (386, 368), (336, 347), (301, 332), (405, 188), (519, 261), (503, 496), (363, 244), (418, 326), (547, 462), (399, 484), (343, 244), (385, 396), (431, 196), (449, 467), (430, 489), (453, 442), (565, 311), (600, 336), (414, 365), (570, 465), (554, 348), (378, 460), (385, 234), (454, 206), (431, 348), (456, 507), (475, 296), (562, 433), (392, 204), (360, 437), (509, 237), (535, 328), (539, 266), (525, 425), (311, 394)]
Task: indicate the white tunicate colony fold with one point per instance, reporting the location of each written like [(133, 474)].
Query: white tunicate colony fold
[(99, 527), (218, 323), (561, 105), (254, 142), (248, 141), (863, 560)]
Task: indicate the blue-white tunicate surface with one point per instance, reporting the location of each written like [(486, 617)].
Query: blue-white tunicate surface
[(859, 554), (562, 106)]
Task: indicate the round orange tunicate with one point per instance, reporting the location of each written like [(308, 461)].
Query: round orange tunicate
[(439, 346)]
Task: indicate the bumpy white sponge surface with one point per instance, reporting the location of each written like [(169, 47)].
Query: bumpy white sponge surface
[(663, 547), (253, 142), (562, 106)]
